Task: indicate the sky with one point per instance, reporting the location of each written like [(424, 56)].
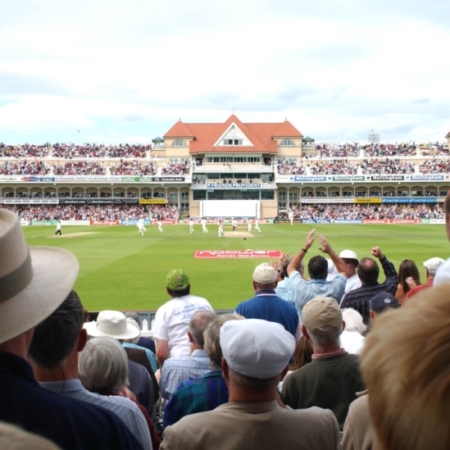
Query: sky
[(116, 71)]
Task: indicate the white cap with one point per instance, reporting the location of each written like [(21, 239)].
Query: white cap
[(443, 274), (265, 274), (432, 264), (348, 254), (256, 348)]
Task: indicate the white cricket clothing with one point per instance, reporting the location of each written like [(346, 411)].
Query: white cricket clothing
[(160, 228), (191, 227), (172, 321), (352, 283), (204, 229)]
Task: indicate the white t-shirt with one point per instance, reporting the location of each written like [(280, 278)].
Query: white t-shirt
[(172, 320), (352, 283)]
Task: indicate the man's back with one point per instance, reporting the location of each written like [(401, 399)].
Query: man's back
[(329, 383), (267, 305), (172, 320), (70, 423), (254, 426)]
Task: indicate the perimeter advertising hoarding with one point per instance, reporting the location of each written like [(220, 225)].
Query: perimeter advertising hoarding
[(368, 200), (30, 201), (98, 201), (152, 201), (410, 200)]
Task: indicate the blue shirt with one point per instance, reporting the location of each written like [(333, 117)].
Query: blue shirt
[(182, 368), (193, 396), (284, 290), (304, 291), (69, 423), (266, 305)]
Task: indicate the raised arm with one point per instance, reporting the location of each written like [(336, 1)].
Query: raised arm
[(295, 261), (338, 262)]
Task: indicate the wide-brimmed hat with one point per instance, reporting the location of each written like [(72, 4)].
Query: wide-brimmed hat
[(113, 324), (34, 281)]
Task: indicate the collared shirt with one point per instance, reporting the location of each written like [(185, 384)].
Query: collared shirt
[(150, 355), (304, 291), (193, 396), (126, 410), (26, 404), (284, 290), (178, 369), (359, 298)]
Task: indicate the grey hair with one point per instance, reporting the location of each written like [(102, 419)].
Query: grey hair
[(212, 338), (198, 324), (326, 338), (135, 324), (103, 364), (353, 320)]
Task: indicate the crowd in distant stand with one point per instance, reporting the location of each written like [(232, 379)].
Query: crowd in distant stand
[(376, 150), (334, 150), (73, 168), (25, 167), (357, 212), (92, 212), (133, 168), (388, 166), (290, 167), (435, 166), (176, 168), (334, 167)]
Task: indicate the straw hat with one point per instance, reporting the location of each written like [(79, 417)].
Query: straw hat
[(34, 281)]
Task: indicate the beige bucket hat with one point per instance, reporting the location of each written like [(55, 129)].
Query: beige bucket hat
[(34, 281)]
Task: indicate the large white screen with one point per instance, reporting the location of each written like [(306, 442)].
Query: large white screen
[(229, 208)]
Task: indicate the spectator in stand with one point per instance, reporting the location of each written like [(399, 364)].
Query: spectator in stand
[(332, 379), (304, 290), (14, 438), (266, 305), (431, 267), (210, 390), (196, 364), (54, 353), (145, 342), (405, 364), (382, 302), (368, 272), (408, 277), (351, 263), (252, 373), (284, 287), (35, 281), (172, 318)]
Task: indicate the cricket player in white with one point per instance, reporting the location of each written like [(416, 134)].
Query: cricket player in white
[(141, 226), (291, 216), (160, 228), (257, 225), (220, 229), (234, 224), (204, 229), (249, 225), (191, 226)]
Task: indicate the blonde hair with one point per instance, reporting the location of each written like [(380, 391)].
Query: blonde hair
[(406, 366)]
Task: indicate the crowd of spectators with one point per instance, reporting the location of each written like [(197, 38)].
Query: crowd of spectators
[(335, 150), (335, 167), (382, 150), (176, 168), (359, 212), (25, 167), (135, 167), (93, 212), (388, 166), (73, 168), (24, 151), (290, 167), (435, 166)]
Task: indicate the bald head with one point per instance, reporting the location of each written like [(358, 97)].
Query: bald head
[(368, 270)]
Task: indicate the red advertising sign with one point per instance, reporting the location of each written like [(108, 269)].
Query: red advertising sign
[(105, 222), (242, 254)]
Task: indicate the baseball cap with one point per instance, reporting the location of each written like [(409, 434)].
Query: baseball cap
[(267, 350), (432, 264), (177, 280), (383, 300), (348, 254), (321, 315), (264, 274)]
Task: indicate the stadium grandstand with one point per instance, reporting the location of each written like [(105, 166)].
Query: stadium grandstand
[(253, 170)]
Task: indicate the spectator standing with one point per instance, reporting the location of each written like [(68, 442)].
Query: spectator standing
[(383, 301), (431, 267), (351, 263), (368, 272), (172, 318)]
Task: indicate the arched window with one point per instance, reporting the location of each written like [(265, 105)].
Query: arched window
[(287, 143), (179, 143)]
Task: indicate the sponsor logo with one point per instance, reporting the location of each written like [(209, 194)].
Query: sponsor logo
[(240, 254), (105, 222), (388, 177)]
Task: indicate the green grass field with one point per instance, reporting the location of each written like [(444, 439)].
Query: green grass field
[(121, 270)]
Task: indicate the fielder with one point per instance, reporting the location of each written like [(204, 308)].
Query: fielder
[(58, 228), (234, 224), (141, 226), (204, 229), (249, 225), (191, 226), (220, 229), (160, 228), (291, 217), (257, 225)]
